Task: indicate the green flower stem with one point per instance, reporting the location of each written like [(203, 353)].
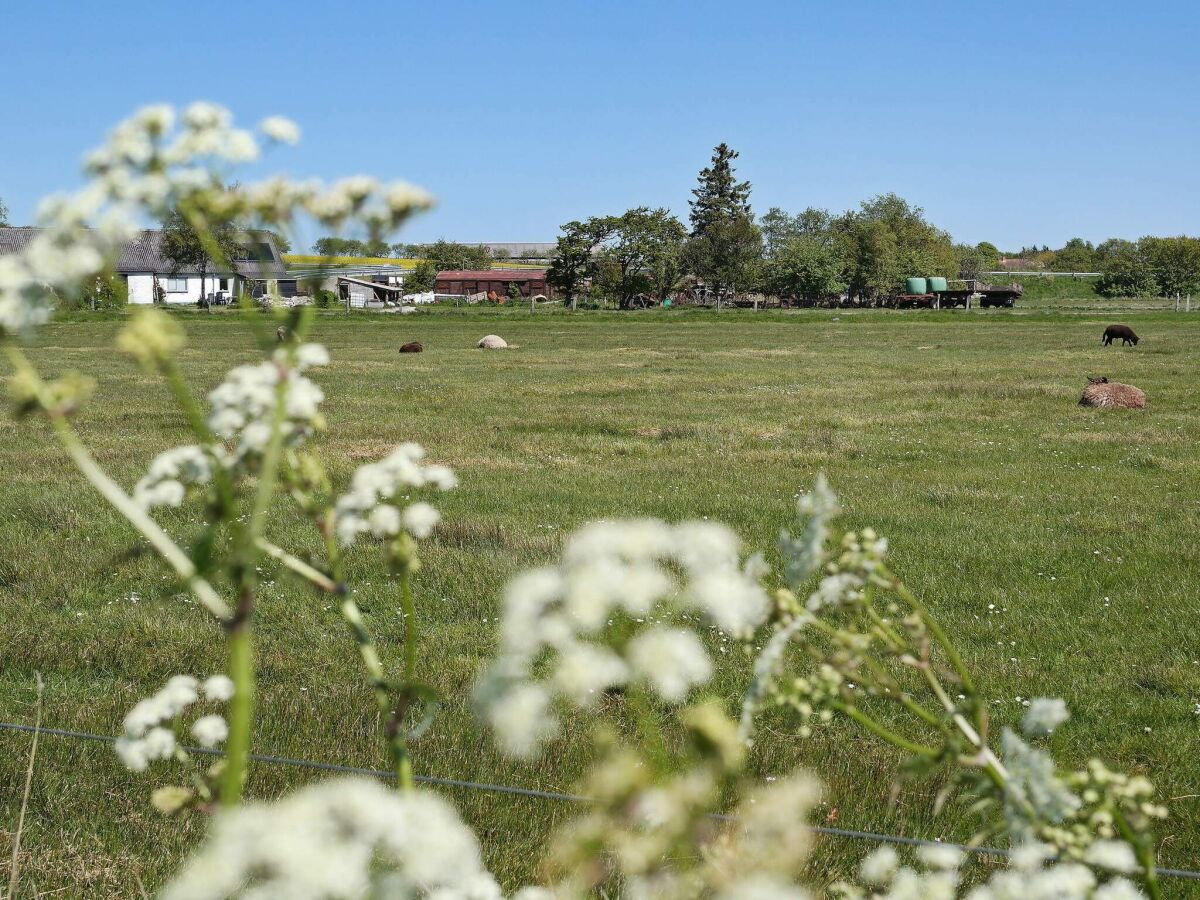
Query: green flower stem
[(410, 625), (935, 629), (392, 713), (241, 713), (237, 628), (318, 578), (1145, 855), (883, 732), (883, 679), (175, 557)]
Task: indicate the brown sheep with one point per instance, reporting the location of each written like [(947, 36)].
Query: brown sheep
[(412, 347), (1124, 332), (1103, 394)]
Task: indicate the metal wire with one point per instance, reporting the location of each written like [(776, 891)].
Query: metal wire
[(539, 794)]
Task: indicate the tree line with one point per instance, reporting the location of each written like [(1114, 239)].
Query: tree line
[(813, 255)]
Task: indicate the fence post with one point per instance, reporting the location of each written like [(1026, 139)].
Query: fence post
[(1177, 301)]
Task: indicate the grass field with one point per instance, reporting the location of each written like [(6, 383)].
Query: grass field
[(1057, 544)]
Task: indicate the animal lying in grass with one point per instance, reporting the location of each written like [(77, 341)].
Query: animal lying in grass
[(1124, 332), (1103, 394), (411, 347)]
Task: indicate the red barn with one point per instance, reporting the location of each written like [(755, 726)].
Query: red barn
[(464, 282)]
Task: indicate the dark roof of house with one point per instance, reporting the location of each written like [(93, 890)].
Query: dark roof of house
[(492, 275), (144, 254)]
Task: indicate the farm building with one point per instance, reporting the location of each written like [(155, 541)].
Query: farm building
[(465, 282), (258, 269)]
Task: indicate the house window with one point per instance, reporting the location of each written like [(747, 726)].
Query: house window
[(176, 285), (224, 284)]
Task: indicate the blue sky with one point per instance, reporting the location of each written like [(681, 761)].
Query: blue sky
[(1015, 122)]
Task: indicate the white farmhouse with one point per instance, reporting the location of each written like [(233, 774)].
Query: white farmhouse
[(258, 269)]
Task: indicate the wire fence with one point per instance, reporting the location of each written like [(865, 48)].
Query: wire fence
[(537, 794)]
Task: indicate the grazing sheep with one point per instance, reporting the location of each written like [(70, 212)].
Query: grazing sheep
[(1124, 332), (1103, 394), (412, 347), (492, 342)]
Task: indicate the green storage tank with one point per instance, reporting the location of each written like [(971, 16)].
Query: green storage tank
[(917, 286), (937, 285)]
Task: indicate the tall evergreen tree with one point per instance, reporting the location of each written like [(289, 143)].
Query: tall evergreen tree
[(720, 197)]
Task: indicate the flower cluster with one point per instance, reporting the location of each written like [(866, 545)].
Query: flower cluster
[(1044, 715), (156, 162), (149, 728), (369, 506), (348, 838), (804, 555), (659, 839), (619, 609), (1031, 875), (170, 475), (244, 405)]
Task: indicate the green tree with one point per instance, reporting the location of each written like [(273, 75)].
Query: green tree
[(377, 247), (643, 252), (282, 244), (888, 239), (778, 228), (727, 255), (989, 255), (875, 263), (1124, 272), (336, 246), (574, 259), (3, 213), (422, 278), (186, 248), (1077, 255), (1174, 263), (719, 197), (806, 266), (452, 255), (725, 248)]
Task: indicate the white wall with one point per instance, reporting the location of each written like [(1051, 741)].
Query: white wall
[(141, 288)]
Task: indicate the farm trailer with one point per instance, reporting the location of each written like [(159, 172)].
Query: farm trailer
[(939, 295)]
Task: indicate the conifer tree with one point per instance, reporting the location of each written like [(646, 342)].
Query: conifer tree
[(720, 197)]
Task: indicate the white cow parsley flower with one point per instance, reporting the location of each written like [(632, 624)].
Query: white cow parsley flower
[(344, 838), (1115, 855), (651, 576), (1043, 716), (210, 730), (277, 128), (672, 661), (170, 475), (369, 505), (218, 687)]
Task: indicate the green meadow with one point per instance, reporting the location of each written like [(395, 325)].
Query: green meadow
[(1057, 544)]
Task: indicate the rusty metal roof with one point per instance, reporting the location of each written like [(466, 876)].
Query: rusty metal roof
[(492, 275)]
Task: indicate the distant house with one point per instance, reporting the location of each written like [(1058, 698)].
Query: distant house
[(465, 282), (257, 269)]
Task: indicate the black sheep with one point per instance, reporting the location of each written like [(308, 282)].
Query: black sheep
[(411, 347), (1124, 332)]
